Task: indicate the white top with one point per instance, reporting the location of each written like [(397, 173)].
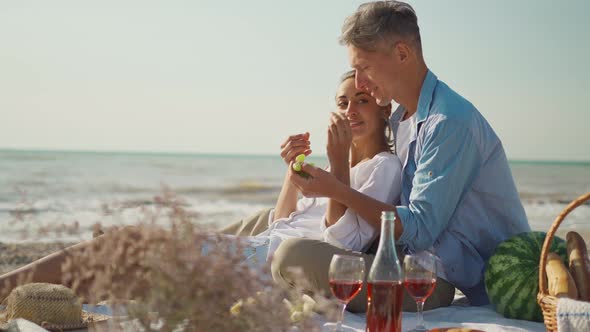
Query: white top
[(405, 131), (379, 177)]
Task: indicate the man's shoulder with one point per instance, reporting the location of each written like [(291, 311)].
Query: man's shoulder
[(452, 112), (448, 104)]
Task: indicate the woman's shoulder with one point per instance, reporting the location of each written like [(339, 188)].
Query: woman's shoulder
[(387, 158), (383, 160), (384, 166)]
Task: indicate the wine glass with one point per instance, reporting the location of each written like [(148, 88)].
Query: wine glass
[(346, 277), (420, 280)]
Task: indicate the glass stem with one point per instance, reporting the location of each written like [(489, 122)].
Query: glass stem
[(420, 306), (341, 318)]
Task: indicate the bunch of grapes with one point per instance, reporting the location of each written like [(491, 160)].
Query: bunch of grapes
[(298, 164)]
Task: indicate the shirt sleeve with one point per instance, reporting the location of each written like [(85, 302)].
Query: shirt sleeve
[(382, 181), (271, 217), (445, 170)]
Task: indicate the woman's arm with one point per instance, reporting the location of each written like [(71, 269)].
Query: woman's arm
[(338, 150), (287, 201), (336, 209)]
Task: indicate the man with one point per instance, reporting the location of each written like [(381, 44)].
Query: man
[(458, 196)]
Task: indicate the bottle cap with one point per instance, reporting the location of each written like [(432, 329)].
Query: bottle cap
[(387, 215)]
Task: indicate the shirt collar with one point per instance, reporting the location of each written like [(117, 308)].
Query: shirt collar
[(398, 114), (426, 94)]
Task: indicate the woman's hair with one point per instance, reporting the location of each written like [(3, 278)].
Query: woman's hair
[(347, 75), (351, 74)]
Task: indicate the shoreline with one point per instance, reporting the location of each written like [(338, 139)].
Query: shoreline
[(15, 255)]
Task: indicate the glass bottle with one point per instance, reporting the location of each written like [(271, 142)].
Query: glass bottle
[(385, 282)]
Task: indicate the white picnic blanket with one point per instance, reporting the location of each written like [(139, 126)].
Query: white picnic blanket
[(481, 318), (459, 314), (573, 315)]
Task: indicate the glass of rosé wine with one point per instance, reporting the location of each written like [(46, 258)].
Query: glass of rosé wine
[(420, 280), (346, 277)]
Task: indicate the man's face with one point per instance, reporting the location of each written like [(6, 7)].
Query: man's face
[(377, 72)]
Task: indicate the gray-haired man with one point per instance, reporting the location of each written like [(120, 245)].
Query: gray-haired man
[(458, 196)]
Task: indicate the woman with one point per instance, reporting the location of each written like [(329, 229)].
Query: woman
[(359, 152)]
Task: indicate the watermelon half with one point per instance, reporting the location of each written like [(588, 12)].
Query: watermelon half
[(512, 275)]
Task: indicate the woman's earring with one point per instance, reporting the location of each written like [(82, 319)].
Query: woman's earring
[(389, 136), (388, 131)]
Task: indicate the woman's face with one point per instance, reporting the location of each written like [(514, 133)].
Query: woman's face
[(365, 116)]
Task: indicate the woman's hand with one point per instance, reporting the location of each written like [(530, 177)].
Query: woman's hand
[(295, 145), (339, 140)]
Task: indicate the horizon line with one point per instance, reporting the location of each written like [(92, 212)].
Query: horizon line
[(233, 154)]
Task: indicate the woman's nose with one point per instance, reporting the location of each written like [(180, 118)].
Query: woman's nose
[(351, 110)]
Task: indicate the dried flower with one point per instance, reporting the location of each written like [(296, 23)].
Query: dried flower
[(159, 275)]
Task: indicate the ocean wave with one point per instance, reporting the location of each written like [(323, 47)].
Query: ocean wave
[(548, 198), (219, 211), (123, 188), (251, 187), (16, 156), (245, 187), (31, 208)]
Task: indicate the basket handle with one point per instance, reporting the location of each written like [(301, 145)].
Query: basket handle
[(549, 238)]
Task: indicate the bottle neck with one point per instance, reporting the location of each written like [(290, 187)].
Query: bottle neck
[(387, 239), (386, 266)]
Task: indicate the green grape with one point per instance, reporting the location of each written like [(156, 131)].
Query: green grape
[(297, 166), (300, 158)]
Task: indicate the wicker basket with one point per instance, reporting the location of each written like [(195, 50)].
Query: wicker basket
[(547, 302)]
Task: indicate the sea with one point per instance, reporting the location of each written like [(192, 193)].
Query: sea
[(48, 196)]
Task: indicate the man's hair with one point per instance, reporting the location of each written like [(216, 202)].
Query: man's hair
[(381, 21)]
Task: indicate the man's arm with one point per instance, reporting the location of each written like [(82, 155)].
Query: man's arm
[(448, 165), (325, 184), (379, 179), (368, 208)]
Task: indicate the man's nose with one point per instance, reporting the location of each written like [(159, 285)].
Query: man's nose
[(359, 82)]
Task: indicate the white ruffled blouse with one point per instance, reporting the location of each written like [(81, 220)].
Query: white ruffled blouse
[(379, 178)]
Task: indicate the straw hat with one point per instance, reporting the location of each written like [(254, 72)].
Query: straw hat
[(53, 307)]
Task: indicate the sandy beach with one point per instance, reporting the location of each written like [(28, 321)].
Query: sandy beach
[(14, 255)]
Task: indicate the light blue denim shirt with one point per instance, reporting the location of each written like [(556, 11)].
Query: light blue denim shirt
[(458, 195)]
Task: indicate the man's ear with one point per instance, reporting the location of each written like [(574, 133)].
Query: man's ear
[(402, 51)]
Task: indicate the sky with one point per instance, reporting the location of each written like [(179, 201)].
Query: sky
[(235, 76)]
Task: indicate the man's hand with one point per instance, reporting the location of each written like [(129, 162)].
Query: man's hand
[(319, 184), (295, 145)]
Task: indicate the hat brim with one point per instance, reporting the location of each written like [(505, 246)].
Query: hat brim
[(88, 318)]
